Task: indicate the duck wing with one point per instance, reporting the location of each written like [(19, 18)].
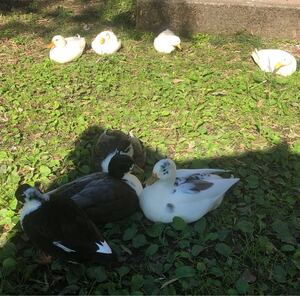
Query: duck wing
[(206, 188), (202, 173), (74, 187), (193, 186), (99, 191), (106, 200), (76, 41), (61, 228)]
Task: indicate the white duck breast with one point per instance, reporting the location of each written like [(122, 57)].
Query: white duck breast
[(190, 194), (275, 60), (166, 42), (106, 43), (64, 50)]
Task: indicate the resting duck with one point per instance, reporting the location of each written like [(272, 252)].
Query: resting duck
[(185, 193), (106, 43), (106, 197), (64, 50), (58, 227), (166, 42), (275, 60), (112, 140)]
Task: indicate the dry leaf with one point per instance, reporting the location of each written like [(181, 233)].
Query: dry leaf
[(169, 282), (248, 276), (177, 80)]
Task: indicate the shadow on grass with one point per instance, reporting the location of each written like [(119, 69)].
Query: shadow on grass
[(267, 191), (47, 18), (81, 157), (88, 18)]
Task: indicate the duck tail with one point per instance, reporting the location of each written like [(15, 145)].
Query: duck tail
[(255, 56), (231, 181), (215, 171), (222, 185)]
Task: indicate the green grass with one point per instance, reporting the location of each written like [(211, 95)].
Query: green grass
[(207, 105)]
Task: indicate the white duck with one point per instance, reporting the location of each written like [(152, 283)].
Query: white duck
[(106, 43), (186, 193), (166, 42), (275, 60), (64, 50)]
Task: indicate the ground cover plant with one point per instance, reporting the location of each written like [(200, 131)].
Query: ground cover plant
[(205, 106)]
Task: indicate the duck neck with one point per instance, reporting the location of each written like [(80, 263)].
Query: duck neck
[(133, 182), (168, 181), (29, 207), (106, 161)]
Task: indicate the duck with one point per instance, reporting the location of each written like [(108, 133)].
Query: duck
[(275, 60), (106, 197), (64, 50), (59, 228), (185, 193), (166, 42), (106, 43), (116, 140)]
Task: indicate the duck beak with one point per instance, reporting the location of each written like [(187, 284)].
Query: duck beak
[(102, 40), (51, 45), (278, 66), (179, 46), (137, 170), (152, 179)]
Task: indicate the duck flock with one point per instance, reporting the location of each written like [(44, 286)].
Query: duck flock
[(66, 221), (64, 50)]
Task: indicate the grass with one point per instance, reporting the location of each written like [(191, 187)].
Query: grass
[(207, 105)]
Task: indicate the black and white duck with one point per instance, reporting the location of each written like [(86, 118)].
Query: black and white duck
[(58, 227), (112, 140), (106, 197)]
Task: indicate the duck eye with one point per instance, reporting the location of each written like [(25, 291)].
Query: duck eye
[(165, 171)]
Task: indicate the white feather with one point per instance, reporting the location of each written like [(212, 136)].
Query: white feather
[(106, 43), (275, 60), (66, 49), (166, 42), (59, 245), (29, 207), (103, 247), (133, 182)]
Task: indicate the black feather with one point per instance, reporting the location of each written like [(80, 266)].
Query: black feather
[(104, 198), (61, 220)]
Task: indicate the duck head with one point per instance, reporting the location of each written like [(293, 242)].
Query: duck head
[(57, 41), (120, 164), (285, 61), (165, 170), (26, 193), (175, 41), (124, 147), (106, 36)]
